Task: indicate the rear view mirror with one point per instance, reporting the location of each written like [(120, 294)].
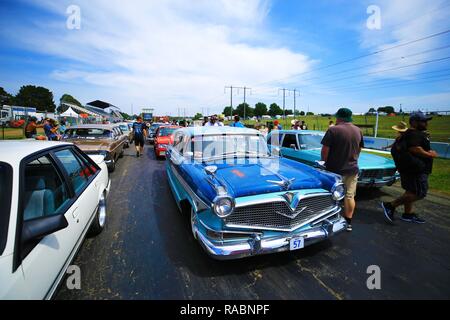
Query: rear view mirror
[(37, 229)]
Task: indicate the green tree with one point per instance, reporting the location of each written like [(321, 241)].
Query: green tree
[(372, 110), (69, 99), (302, 113), (5, 97), (289, 112), (249, 112), (275, 110), (260, 109), (387, 109), (228, 111), (38, 97), (198, 116), (310, 113)]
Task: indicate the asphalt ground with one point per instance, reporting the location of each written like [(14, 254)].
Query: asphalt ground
[(147, 251)]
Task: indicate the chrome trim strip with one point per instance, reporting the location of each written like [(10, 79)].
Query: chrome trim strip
[(198, 203), (276, 198), (227, 231)]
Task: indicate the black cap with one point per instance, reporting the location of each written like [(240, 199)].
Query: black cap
[(419, 116)]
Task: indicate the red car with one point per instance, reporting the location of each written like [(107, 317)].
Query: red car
[(163, 137)]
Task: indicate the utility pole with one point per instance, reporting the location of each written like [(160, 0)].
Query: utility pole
[(231, 97), (284, 100)]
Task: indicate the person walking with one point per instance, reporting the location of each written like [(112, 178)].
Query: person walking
[(236, 123), (414, 159), (341, 147), (140, 132), (400, 128)]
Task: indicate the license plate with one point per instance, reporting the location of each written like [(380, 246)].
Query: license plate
[(297, 243), (162, 153)]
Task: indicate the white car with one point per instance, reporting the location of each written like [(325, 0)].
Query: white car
[(51, 196)]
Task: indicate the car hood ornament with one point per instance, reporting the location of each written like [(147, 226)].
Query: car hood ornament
[(285, 183)]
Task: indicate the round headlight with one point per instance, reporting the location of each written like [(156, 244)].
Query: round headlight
[(223, 206), (338, 191)]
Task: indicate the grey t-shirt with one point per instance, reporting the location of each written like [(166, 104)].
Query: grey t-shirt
[(344, 141)]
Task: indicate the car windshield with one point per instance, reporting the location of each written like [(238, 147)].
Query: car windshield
[(124, 127), (166, 131), (311, 141), (93, 133), (229, 146)]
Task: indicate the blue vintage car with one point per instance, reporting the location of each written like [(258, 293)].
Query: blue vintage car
[(305, 146), (244, 201)]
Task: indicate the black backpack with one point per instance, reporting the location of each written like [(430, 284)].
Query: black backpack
[(404, 160)]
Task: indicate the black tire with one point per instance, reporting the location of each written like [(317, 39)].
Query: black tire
[(98, 224), (112, 167)]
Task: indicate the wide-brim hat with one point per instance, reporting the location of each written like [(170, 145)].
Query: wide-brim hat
[(400, 127)]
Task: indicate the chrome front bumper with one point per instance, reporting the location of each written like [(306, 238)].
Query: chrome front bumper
[(256, 245), (377, 183)]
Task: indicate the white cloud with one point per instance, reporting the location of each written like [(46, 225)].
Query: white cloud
[(404, 21), (162, 53)]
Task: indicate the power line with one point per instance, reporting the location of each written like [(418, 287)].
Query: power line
[(364, 55), (382, 62), (387, 80), (387, 70)]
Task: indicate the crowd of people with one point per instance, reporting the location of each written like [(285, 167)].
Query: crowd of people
[(411, 151), (53, 129)]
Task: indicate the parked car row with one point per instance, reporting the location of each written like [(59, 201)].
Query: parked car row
[(241, 198), (108, 141)]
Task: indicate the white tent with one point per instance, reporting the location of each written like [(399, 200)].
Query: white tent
[(69, 114)]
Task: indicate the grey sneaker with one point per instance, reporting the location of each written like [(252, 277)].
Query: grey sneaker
[(414, 218)]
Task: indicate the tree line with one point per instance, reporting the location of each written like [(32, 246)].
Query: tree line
[(34, 96), (260, 110)]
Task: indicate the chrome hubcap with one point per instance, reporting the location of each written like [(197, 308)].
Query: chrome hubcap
[(102, 211)]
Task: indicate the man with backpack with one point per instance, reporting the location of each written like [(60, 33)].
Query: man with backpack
[(414, 160)]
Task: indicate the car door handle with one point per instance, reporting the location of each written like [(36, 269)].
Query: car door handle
[(75, 212)]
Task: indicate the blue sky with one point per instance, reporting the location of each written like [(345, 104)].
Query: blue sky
[(181, 54)]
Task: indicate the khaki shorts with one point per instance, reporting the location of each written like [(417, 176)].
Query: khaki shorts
[(350, 185)]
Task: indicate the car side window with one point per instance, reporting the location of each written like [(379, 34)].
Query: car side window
[(77, 171), (290, 141), (45, 190), (178, 143)]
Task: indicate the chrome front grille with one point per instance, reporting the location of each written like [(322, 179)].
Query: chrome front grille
[(377, 173), (278, 215)]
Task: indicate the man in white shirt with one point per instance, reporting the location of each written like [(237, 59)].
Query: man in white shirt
[(213, 122)]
